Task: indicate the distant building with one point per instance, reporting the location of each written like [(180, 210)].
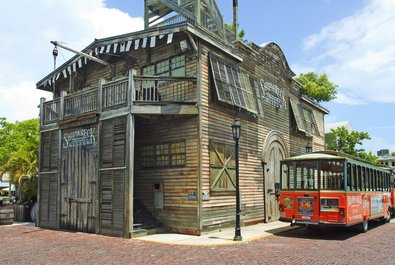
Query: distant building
[(386, 159), (329, 137)]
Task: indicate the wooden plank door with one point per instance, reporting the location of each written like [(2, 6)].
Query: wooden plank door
[(275, 152), (273, 177), (78, 185)]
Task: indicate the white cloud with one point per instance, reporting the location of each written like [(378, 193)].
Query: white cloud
[(21, 101), (358, 53), (25, 38)]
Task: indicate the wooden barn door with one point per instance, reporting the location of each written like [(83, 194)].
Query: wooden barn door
[(78, 187), (274, 152)]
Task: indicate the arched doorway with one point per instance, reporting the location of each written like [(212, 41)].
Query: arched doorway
[(274, 150)]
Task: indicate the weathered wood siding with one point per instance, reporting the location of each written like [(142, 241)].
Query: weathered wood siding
[(189, 203), (273, 116), (179, 184)]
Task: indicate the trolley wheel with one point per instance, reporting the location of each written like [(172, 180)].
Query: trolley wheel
[(364, 226), (388, 219)]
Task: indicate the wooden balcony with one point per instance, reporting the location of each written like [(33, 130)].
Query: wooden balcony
[(134, 91)]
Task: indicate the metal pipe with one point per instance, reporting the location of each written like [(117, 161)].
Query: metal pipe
[(235, 18)]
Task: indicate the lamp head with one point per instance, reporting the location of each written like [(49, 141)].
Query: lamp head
[(236, 129)]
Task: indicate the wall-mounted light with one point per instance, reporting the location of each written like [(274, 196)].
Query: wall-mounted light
[(183, 45)]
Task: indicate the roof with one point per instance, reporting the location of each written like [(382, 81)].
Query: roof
[(312, 156), (330, 155), (125, 43), (314, 103)]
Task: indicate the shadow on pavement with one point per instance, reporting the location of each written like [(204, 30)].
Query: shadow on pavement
[(327, 233)]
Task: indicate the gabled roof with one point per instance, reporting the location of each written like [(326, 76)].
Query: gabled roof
[(276, 47)]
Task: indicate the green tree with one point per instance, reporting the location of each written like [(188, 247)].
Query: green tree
[(317, 87), (346, 142), (241, 34), (393, 153), (19, 153)]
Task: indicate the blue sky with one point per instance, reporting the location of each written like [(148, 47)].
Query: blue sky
[(352, 41)]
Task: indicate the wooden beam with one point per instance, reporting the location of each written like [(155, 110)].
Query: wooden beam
[(81, 53), (193, 43)]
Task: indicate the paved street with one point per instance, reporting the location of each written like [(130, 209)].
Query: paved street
[(31, 245)]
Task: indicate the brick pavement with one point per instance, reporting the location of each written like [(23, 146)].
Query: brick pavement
[(32, 245)]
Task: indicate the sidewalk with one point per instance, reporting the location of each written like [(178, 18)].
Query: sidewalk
[(222, 237)]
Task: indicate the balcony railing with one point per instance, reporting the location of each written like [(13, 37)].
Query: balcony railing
[(51, 111), (165, 89), (115, 94), (121, 93), (81, 103)]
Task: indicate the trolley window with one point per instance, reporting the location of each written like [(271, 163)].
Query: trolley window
[(332, 175)]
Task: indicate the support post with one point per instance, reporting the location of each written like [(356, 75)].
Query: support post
[(146, 14), (131, 87), (198, 16), (61, 104), (42, 112)]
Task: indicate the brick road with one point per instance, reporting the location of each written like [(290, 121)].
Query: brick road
[(32, 245)]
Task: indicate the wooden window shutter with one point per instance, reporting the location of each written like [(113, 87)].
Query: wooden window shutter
[(297, 116), (113, 143), (119, 142), (314, 124), (48, 200), (49, 151), (232, 86), (112, 192)]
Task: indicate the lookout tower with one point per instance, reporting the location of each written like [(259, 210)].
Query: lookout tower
[(204, 14)]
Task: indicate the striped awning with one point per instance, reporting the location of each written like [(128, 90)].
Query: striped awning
[(120, 47)]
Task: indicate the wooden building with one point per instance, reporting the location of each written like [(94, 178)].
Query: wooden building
[(141, 122)]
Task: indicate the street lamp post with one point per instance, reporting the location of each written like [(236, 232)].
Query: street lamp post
[(236, 129)]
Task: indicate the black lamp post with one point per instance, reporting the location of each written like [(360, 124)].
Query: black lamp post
[(309, 148), (236, 129)]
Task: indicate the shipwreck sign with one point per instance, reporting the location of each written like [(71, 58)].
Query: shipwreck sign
[(273, 94), (79, 137)]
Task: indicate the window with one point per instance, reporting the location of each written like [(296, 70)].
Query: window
[(163, 155), (232, 86), (248, 92), (148, 156), (332, 175), (304, 118), (178, 66), (174, 66), (222, 167)]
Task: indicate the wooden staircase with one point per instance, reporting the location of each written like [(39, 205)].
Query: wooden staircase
[(144, 222)]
